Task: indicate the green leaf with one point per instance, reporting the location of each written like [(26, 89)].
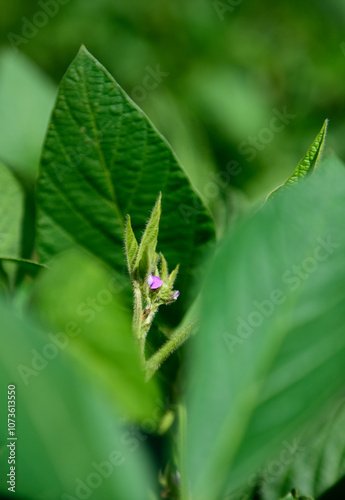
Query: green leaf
[(29, 266), (103, 159), (312, 157), (26, 100), (77, 289), (164, 268), (146, 256), (173, 276), (131, 245), (4, 282), (309, 161), (11, 213), (321, 463), (11, 222), (270, 354), (67, 433)]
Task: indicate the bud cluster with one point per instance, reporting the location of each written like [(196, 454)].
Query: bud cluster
[(152, 283)]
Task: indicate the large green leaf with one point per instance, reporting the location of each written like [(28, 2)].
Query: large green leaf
[(102, 160), (26, 100), (78, 290), (270, 353), (320, 463), (11, 214), (69, 442)]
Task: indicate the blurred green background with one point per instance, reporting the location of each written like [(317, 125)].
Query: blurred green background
[(224, 70)]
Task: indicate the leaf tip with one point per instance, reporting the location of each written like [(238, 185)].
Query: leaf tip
[(84, 53)]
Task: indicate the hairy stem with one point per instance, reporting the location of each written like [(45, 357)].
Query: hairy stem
[(138, 311), (168, 348)]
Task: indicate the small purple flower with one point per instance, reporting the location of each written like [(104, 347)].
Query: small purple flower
[(154, 282), (175, 295)]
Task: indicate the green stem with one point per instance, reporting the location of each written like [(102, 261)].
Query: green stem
[(142, 319), (182, 429), (168, 348), (141, 342), (138, 310)]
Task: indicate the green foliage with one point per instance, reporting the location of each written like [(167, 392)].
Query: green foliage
[(26, 100), (29, 266), (145, 260), (309, 161), (131, 245), (164, 268), (312, 157), (222, 84), (252, 406), (102, 160), (66, 430), (270, 352), (11, 214), (293, 494), (321, 462), (80, 291), (142, 264), (11, 221)]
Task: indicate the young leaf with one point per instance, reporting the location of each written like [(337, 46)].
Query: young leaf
[(312, 157), (103, 159), (131, 245), (146, 255), (164, 268), (172, 276), (309, 161), (269, 357)]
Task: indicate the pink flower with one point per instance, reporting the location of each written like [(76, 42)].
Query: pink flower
[(154, 282)]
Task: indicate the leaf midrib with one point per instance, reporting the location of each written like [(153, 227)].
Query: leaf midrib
[(100, 152)]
